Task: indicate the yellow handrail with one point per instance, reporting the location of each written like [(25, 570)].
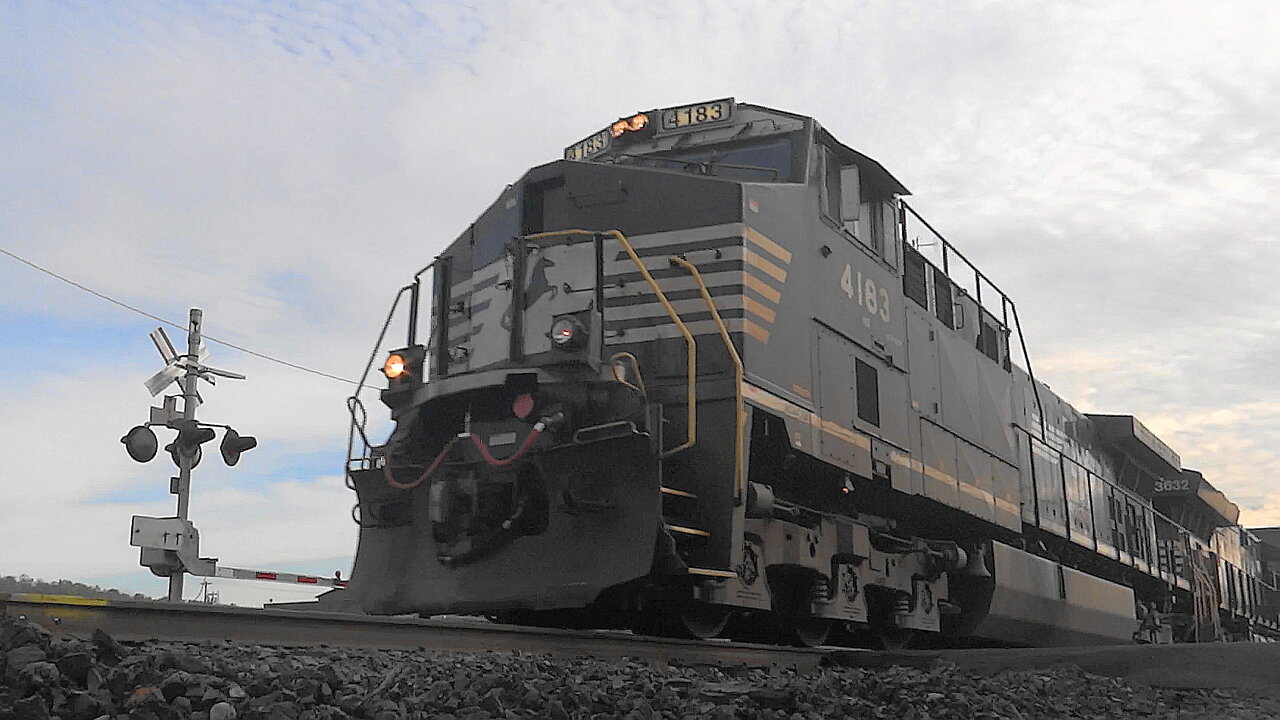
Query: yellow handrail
[(740, 412), (635, 367), (691, 390)]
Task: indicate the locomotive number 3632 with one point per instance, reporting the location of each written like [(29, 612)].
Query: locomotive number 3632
[(873, 299)]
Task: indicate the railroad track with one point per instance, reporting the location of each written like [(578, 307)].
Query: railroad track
[(1254, 667), (142, 620)]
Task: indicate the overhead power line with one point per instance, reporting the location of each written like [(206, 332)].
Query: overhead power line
[(159, 319)]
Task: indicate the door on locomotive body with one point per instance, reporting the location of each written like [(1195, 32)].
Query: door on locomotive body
[(862, 358), (560, 280)]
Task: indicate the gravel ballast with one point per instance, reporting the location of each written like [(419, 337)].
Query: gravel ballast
[(100, 679)]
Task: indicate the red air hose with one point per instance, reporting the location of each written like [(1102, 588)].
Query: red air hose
[(386, 469), (538, 427), (524, 447)]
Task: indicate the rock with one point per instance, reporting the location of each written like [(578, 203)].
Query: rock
[(145, 698), (20, 657), (75, 666), (41, 677), (31, 708), (556, 711), (89, 705), (934, 697), (175, 684), (109, 651), (492, 702), (93, 680), (21, 632), (773, 698), (222, 711)]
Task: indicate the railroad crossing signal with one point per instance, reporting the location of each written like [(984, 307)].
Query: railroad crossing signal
[(170, 546)]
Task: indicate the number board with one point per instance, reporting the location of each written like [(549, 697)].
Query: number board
[(701, 114), (588, 148)]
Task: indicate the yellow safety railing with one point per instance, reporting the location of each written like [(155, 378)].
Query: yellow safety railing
[(740, 412), (616, 358), (691, 391)]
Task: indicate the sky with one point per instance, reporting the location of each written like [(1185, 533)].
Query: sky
[(286, 166)]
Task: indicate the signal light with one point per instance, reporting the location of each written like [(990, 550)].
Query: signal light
[(190, 437), (233, 443), (140, 443), (395, 366), (176, 456)]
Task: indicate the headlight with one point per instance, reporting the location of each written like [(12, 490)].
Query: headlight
[(394, 367), (567, 333)]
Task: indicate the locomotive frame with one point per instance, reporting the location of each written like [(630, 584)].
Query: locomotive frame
[(763, 397)]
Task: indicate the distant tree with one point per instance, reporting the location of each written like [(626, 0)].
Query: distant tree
[(26, 584)]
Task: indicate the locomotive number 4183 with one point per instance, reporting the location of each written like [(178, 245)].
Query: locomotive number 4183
[(871, 298)]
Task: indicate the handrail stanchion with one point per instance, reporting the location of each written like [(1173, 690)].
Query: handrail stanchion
[(739, 408)]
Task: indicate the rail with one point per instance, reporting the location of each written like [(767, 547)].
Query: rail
[(138, 621)]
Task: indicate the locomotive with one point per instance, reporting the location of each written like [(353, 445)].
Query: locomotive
[(709, 374)]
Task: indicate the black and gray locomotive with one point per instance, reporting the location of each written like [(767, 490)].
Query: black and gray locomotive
[(710, 374)]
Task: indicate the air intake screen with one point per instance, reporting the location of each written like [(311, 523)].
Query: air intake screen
[(868, 391), (988, 342), (942, 300), (913, 282)]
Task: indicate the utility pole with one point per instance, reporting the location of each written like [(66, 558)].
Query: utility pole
[(190, 401)]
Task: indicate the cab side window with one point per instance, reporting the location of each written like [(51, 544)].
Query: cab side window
[(850, 205)]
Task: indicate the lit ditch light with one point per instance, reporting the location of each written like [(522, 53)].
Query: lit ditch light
[(405, 365), (394, 367)]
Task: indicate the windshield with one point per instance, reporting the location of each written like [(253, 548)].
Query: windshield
[(761, 161)]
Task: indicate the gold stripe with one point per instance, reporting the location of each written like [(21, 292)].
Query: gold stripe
[(757, 308), (844, 433), (801, 391), (769, 268), (939, 475), (755, 331), (975, 491), (765, 289), (767, 245), (678, 493), (1008, 506), (58, 599), (713, 573), (688, 531)]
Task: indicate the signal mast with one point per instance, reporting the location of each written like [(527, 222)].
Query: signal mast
[(170, 546)]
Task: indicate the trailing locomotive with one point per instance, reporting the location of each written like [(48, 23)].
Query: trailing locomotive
[(702, 376)]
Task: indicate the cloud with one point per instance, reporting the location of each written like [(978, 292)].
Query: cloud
[(286, 168)]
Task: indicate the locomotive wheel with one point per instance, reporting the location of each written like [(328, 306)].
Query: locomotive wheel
[(808, 632), (702, 621), (690, 619), (891, 637)]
